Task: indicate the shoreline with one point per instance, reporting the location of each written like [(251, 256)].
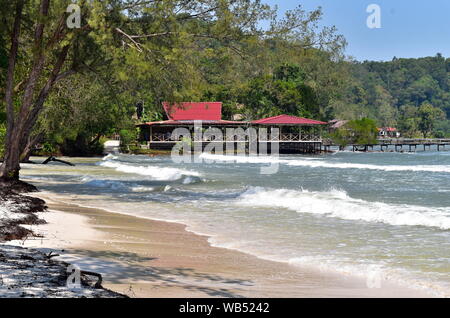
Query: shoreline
[(166, 260), (32, 273)]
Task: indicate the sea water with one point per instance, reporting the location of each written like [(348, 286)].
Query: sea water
[(351, 213)]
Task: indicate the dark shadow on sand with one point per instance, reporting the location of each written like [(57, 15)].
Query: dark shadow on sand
[(125, 267)]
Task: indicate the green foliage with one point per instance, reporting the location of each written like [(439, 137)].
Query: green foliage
[(147, 52), (48, 148), (429, 115), (128, 137), (130, 52), (286, 91), (394, 92), (442, 129), (356, 132), (421, 122)]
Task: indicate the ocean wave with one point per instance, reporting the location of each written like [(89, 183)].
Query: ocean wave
[(338, 204), (376, 275), (110, 157), (109, 184), (324, 164), (191, 180), (156, 173), (312, 162), (269, 159)]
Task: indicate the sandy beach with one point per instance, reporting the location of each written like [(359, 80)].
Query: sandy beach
[(146, 258)]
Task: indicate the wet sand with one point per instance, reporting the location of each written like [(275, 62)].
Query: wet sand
[(145, 258)]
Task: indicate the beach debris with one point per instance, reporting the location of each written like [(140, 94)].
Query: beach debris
[(29, 273)]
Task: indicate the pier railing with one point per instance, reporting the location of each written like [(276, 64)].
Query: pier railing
[(413, 141), (160, 137)]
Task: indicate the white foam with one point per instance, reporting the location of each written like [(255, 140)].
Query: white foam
[(376, 275), (339, 205), (324, 164), (142, 189), (312, 162), (109, 156), (191, 180), (269, 159), (156, 173)]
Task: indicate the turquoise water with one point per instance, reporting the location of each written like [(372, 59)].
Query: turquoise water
[(361, 214)]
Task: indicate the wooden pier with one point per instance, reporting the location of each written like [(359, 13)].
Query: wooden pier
[(285, 143), (401, 145)]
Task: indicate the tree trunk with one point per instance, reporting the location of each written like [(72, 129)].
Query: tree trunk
[(28, 147), (9, 170), (21, 123)]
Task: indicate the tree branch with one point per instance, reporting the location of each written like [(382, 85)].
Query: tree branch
[(38, 62), (48, 86), (12, 65), (137, 45)]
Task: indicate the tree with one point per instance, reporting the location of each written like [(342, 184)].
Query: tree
[(356, 132), (428, 116), (285, 92), (2, 133), (155, 44)]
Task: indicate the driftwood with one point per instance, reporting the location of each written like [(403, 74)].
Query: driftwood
[(29, 162), (99, 282), (51, 158)]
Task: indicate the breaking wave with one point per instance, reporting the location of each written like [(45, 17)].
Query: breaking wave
[(323, 164), (249, 159), (154, 172), (312, 162), (376, 275), (338, 204)]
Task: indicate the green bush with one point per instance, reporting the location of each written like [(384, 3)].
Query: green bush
[(128, 137), (356, 132), (48, 148)]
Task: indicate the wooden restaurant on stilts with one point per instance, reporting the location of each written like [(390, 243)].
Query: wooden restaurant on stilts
[(291, 134)]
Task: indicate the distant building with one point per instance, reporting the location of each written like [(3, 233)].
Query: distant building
[(388, 132)]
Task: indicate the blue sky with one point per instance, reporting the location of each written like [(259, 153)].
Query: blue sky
[(413, 28)]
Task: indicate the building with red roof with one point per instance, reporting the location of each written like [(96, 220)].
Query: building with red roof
[(388, 132), (288, 120), (209, 114), (209, 111)]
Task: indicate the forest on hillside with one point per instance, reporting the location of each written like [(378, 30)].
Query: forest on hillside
[(130, 53), (410, 94)]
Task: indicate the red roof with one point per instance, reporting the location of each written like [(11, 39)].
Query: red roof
[(192, 122), (211, 111), (388, 129), (288, 120)]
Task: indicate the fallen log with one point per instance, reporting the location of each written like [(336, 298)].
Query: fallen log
[(51, 158)]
